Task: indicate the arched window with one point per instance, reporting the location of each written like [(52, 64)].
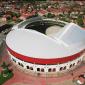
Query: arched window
[(64, 68), (49, 70), (78, 61), (38, 69), (70, 65), (31, 68), (14, 60), (27, 67), (61, 68), (42, 69), (22, 65), (54, 69), (73, 64), (19, 63)]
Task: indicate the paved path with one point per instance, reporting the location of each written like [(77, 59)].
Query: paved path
[(32, 80)]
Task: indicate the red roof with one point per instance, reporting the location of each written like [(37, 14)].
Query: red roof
[(28, 14), (43, 12), (54, 10)]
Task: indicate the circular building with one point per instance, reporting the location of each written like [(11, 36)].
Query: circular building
[(36, 52)]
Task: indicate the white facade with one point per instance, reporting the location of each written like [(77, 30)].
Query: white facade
[(46, 68)]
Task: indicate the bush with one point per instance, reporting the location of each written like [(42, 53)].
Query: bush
[(80, 20), (6, 74), (15, 14), (8, 17), (49, 15), (4, 79)]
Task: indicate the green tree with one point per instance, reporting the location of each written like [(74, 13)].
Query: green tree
[(5, 74), (49, 15), (4, 65), (80, 20), (5, 69), (15, 14), (8, 17)]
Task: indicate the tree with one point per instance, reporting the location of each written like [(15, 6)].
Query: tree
[(8, 18), (15, 14), (5, 69), (4, 66), (49, 15), (80, 20), (5, 74)]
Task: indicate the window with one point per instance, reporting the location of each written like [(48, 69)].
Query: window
[(31, 68), (73, 64), (64, 68), (49, 70), (42, 69), (22, 65), (54, 69), (70, 65), (61, 68), (38, 69), (18, 63), (14, 60), (78, 61), (27, 67)]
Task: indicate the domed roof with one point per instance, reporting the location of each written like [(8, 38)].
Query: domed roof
[(37, 45), (71, 34)]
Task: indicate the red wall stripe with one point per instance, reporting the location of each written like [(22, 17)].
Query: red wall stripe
[(44, 61)]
